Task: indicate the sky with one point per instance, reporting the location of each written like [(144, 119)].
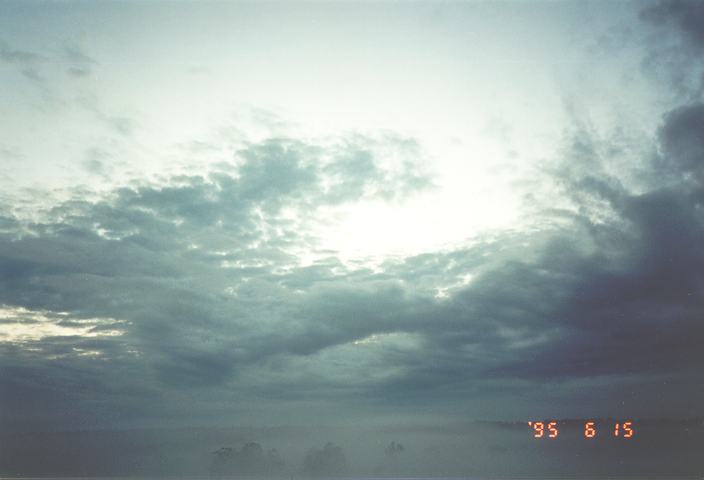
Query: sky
[(346, 215)]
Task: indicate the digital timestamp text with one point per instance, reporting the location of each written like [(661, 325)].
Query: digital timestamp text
[(551, 429)]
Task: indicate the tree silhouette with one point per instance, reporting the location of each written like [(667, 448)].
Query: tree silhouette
[(391, 461), (249, 460), (324, 462), (394, 449)]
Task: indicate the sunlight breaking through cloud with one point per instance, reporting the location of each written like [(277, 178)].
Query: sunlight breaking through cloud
[(20, 325)]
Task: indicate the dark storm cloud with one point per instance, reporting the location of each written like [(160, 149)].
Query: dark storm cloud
[(675, 53), (633, 304), (630, 274), (687, 15), (682, 139), (614, 289)]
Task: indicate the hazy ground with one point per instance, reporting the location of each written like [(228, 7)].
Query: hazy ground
[(658, 449)]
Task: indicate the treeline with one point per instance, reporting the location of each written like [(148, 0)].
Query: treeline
[(252, 460)]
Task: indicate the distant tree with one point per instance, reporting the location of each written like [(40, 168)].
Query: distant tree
[(394, 449), (274, 462), (390, 464), (249, 460), (222, 462), (324, 462)]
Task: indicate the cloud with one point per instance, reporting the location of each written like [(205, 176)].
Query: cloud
[(18, 56), (80, 64), (95, 161), (686, 15), (647, 291), (682, 141), (224, 298), (193, 268), (679, 42), (29, 64), (204, 271)]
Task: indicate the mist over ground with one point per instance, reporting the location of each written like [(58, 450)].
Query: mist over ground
[(658, 448)]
